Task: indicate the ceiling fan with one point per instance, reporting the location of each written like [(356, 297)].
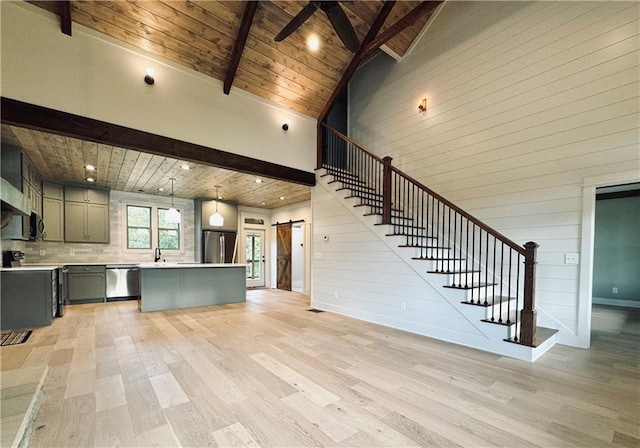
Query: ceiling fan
[(336, 16)]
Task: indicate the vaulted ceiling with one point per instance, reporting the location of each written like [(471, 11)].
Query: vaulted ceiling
[(231, 41), (207, 36)]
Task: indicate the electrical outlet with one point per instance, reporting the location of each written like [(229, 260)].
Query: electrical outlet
[(614, 290), (403, 306), (72, 252), (43, 252), (571, 258), (335, 294)]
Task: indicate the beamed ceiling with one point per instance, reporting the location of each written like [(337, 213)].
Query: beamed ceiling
[(207, 36), (231, 41)]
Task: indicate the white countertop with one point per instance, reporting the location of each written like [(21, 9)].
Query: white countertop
[(30, 268), (161, 265), (188, 265)]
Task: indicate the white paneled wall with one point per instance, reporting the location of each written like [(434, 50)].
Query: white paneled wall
[(525, 102), (355, 273)]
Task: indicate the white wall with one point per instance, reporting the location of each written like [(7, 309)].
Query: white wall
[(94, 76), (525, 102)]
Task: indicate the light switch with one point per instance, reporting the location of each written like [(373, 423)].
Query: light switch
[(571, 258)]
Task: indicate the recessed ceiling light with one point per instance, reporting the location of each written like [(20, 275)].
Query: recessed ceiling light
[(90, 167), (282, 198), (220, 197), (263, 203), (313, 43), (258, 181), (185, 167), (90, 179), (160, 189)]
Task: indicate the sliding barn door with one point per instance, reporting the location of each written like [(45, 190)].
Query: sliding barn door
[(284, 257)]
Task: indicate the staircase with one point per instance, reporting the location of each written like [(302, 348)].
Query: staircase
[(487, 277)]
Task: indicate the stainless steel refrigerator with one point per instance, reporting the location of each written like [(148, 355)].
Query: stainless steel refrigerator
[(218, 247)]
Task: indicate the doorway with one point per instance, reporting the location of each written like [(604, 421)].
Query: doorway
[(255, 258)]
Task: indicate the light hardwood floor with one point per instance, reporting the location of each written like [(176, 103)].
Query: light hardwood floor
[(270, 373)]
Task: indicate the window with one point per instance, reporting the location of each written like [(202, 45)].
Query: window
[(168, 233), (138, 227)]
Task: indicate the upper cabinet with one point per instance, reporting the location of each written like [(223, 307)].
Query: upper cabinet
[(79, 194), (53, 211), (86, 215)]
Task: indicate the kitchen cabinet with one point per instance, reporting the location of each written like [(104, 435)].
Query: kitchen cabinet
[(29, 297), (53, 211), (86, 195), (31, 185), (86, 215), (87, 283)]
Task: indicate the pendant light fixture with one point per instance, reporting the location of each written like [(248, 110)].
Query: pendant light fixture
[(216, 220), (173, 215)]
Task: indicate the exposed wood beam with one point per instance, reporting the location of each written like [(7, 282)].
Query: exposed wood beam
[(65, 17), (18, 113), (241, 40), (357, 58), (409, 19)]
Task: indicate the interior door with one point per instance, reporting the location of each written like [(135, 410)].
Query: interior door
[(284, 257), (254, 247)]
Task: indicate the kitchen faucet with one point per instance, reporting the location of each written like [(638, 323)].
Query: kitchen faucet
[(157, 255)]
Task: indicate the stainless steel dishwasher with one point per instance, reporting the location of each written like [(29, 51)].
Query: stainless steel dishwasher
[(122, 282)]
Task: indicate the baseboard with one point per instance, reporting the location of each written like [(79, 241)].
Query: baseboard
[(616, 302)]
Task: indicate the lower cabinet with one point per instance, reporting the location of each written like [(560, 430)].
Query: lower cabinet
[(87, 284), (29, 298)]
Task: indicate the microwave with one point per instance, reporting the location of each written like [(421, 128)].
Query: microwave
[(29, 228)]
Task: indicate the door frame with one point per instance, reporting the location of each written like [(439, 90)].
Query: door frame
[(262, 282), (244, 228), (585, 301)]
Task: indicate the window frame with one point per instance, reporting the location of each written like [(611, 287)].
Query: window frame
[(158, 229), (154, 227), (127, 227)]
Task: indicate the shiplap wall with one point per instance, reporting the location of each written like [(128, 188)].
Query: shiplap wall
[(356, 274), (525, 101)]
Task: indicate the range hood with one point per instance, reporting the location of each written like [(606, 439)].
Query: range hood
[(13, 202)]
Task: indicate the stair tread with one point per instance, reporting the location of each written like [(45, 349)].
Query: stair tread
[(436, 258), (471, 286), (493, 299), (377, 206), (542, 335), (473, 271), (504, 319), (392, 216), (349, 181), (422, 246)]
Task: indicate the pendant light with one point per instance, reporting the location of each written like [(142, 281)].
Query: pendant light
[(172, 216), (216, 220)]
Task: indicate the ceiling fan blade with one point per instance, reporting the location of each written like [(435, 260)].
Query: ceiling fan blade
[(298, 20), (343, 27)]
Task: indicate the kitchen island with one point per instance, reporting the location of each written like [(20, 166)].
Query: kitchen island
[(169, 286)]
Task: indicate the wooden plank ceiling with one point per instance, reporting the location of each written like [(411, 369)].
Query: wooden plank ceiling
[(201, 35), (63, 159)]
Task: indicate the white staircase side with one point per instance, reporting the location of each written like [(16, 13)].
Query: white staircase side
[(493, 334)]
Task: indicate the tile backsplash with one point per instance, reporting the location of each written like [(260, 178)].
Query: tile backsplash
[(49, 252)]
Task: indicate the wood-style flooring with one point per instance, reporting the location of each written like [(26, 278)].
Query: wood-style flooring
[(270, 373)]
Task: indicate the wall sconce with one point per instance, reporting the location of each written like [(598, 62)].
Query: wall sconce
[(423, 105), (148, 78)]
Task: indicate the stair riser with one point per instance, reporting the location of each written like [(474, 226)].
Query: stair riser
[(450, 265)]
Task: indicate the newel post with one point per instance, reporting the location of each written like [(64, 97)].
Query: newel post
[(528, 314), (386, 190)]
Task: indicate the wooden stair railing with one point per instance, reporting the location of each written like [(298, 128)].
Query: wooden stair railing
[(478, 258)]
